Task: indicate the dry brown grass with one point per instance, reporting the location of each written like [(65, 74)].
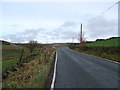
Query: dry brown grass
[(33, 74)]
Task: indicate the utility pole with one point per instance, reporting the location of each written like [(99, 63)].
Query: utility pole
[(73, 40), (81, 37), (119, 19)]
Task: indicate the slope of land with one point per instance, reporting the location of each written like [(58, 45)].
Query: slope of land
[(34, 73), (12, 51), (105, 43), (11, 55)]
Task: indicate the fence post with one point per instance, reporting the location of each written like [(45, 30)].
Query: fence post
[(21, 55)]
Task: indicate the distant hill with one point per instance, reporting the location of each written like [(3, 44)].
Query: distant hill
[(4, 42), (113, 38), (107, 39)]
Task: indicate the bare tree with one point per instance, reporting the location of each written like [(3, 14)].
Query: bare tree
[(81, 40), (32, 45)]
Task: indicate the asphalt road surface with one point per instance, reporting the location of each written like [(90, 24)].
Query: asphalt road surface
[(79, 70)]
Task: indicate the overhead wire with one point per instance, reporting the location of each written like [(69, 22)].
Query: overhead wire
[(102, 13)]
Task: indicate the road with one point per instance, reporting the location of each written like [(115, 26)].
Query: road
[(79, 70)]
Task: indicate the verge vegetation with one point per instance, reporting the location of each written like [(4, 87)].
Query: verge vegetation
[(33, 74), (108, 49)]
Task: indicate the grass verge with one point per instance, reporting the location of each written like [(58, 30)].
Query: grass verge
[(102, 54), (33, 74)]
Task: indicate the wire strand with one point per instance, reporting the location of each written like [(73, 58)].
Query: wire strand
[(102, 13)]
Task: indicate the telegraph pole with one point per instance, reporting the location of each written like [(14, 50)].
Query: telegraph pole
[(119, 19), (73, 40), (81, 37)]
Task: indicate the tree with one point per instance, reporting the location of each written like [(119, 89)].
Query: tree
[(32, 45), (81, 40)]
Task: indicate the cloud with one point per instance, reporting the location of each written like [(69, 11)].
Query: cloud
[(24, 36), (69, 24), (65, 32), (101, 28), (15, 25)]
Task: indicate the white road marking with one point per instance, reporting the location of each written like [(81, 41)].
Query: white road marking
[(54, 75)]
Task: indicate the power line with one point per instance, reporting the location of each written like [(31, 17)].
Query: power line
[(102, 12)]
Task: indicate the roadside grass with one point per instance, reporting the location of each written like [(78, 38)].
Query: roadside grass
[(102, 54), (105, 43), (33, 74), (108, 49)]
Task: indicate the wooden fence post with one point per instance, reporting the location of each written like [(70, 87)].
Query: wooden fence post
[(21, 55)]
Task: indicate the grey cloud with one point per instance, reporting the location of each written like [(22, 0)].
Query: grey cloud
[(15, 25), (69, 24), (102, 28), (99, 28), (69, 34), (63, 32), (27, 35)]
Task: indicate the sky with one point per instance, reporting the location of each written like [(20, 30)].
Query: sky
[(57, 22)]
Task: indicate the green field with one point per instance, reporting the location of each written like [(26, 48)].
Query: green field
[(108, 49), (8, 63), (12, 51), (11, 55), (105, 43)]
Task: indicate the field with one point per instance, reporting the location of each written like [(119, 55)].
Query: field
[(11, 55), (105, 43), (13, 51), (108, 49)]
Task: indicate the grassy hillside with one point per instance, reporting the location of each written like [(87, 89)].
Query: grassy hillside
[(12, 51), (105, 43), (8, 63), (11, 55)]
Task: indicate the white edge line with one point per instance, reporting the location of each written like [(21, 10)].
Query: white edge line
[(54, 74)]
